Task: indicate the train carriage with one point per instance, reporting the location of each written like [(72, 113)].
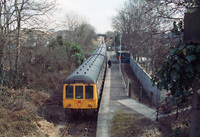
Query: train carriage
[(81, 89)]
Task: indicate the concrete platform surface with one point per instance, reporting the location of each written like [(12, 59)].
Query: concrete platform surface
[(140, 108), (115, 98)]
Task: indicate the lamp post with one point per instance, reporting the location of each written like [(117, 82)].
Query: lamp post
[(120, 55), (114, 40)]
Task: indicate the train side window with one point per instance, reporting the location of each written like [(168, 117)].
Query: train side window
[(69, 92), (79, 92), (88, 92)]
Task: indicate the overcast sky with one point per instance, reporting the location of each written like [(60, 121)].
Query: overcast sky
[(99, 12)]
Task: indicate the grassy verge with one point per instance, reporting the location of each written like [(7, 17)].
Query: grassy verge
[(132, 125)]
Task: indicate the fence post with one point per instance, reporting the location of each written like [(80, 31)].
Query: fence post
[(128, 91), (140, 94), (177, 113), (157, 109), (151, 99)]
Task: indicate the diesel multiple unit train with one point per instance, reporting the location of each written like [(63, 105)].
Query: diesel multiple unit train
[(81, 90)]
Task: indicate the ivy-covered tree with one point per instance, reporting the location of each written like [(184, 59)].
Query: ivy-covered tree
[(56, 42), (53, 43), (180, 74), (59, 39), (179, 71), (76, 54)]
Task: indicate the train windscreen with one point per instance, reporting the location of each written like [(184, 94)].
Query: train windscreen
[(69, 92), (88, 92), (79, 92)]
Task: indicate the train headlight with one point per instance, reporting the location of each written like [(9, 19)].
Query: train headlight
[(69, 105), (89, 105)]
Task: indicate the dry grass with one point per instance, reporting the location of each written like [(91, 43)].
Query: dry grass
[(132, 125), (18, 111)]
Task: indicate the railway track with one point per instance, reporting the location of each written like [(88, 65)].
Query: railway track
[(67, 130), (88, 128), (78, 128)]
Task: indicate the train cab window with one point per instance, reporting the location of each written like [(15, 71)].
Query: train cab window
[(79, 92), (88, 92), (69, 92)]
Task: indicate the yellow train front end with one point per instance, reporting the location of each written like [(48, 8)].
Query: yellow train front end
[(80, 97), (81, 90)]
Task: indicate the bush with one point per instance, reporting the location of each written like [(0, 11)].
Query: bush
[(54, 43), (13, 78), (42, 67), (76, 54)]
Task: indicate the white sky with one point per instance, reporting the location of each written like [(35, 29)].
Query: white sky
[(99, 12)]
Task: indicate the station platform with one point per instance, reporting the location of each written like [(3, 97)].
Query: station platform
[(115, 98)]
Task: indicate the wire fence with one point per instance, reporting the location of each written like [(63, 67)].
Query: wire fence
[(168, 114), (165, 108), (166, 111), (134, 88)]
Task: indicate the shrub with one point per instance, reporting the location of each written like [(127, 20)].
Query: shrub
[(76, 54)]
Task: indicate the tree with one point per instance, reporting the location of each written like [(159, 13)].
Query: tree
[(19, 6), (138, 26), (145, 27), (14, 14), (60, 40), (79, 30), (29, 10), (76, 54), (179, 71), (73, 20), (180, 74), (109, 34), (84, 34)]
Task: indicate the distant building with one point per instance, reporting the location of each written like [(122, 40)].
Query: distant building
[(52, 30), (33, 37)]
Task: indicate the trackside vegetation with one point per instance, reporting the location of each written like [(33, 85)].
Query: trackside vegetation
[(25, 91), (179, 71)]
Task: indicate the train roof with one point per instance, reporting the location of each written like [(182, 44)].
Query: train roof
[(89, 71)]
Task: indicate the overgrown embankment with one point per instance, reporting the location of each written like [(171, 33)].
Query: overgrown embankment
[(31, 96), (18, 115)]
